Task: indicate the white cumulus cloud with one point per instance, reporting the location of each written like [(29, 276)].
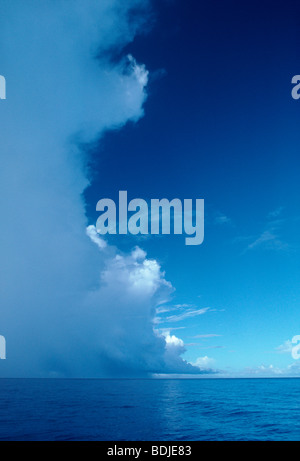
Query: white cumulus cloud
[(70, 305)]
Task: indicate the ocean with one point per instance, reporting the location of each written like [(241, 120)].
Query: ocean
[(150, 410)]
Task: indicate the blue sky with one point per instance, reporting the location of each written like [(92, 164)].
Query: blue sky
[(203, 109)]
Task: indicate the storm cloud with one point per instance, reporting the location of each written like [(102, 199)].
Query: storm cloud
[(71, 305)]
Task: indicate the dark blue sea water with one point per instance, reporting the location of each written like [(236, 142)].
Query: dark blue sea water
[(151, 410)]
